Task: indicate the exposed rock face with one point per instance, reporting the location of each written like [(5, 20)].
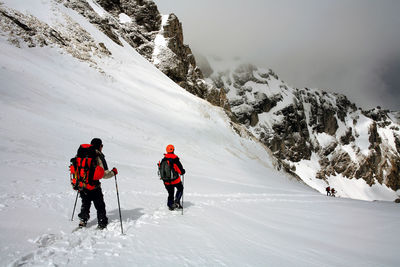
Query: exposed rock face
[(143, 12), (139, 23), (304, 126), (288, 140), (160, 41), (27, 30), (177, 61)]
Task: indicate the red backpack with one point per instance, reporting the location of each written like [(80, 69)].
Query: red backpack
[(85, 172)]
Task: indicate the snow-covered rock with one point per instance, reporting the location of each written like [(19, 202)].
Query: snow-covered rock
[(304, 127)]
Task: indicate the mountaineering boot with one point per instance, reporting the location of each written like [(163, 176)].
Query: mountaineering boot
[(82, 224), (101, 226), (102, 223), (178, 206)]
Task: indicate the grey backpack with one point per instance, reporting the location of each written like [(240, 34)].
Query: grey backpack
[(166, 170)]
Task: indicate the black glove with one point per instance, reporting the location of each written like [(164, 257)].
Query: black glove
[(115, 171)]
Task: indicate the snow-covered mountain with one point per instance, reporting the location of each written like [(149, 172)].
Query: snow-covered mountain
[(320, 137), (317, 136), (64, 80), (159, 38)]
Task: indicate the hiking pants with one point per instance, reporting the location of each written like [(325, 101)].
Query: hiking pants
[(171, 189), (95, 195)]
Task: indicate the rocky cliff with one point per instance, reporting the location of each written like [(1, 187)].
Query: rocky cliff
[(158, 38), (136, 22), (318, 136)]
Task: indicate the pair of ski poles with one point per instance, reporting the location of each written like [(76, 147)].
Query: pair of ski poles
[(119, 206)]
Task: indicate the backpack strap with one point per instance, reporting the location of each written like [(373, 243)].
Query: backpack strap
[(92, 168), (103, 160), (174, 173)]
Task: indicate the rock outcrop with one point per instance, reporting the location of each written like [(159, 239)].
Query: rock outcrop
[(27, 30), (304, 127), (137, 22), (158, 38)]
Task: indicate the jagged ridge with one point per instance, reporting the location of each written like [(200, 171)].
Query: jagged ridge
[(309, 125)]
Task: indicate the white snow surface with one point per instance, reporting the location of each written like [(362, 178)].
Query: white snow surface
[(239, 211), (160, 44), (97, 8), (124, 18)]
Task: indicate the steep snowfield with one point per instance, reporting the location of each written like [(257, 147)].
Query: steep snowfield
[(239, 211)]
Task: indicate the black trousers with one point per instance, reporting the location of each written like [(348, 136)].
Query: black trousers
[(95, 195), (171, 189)]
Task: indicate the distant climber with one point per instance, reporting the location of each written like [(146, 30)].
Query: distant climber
[(333, 192), (170, 169), (328, 191)]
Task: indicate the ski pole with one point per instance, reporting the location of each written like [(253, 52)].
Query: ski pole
[(76, 199), (119, 206), (183, 185)]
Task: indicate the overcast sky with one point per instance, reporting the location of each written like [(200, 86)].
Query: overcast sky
[(344, 46)]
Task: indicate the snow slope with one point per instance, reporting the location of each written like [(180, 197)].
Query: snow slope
[(239, 211)]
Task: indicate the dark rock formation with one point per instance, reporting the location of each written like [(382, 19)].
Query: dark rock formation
[(295, 123), (28, 30)]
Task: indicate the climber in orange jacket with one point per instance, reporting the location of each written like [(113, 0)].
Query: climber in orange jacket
[(171, 169)]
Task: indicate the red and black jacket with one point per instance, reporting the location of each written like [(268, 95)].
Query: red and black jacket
[(177, 165)]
